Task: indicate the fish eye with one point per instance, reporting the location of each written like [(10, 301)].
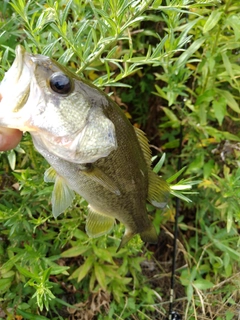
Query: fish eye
[(60, 83)]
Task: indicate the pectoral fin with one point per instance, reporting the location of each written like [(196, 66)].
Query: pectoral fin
[(100, 177), (62, 195), (50, 175), (98, 224), (158, 190)]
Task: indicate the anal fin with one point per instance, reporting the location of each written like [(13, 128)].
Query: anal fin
[(126, 237), (98, 224)]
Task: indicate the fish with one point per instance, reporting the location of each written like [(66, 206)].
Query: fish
[(92, 148)]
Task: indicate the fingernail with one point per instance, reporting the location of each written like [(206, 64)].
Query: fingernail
[(2, 140)]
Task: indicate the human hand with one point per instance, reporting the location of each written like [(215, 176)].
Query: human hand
[(9, 138)]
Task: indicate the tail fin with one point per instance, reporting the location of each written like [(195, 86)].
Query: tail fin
[(149, 235)]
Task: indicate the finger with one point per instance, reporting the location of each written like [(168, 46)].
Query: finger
[(9, 138)]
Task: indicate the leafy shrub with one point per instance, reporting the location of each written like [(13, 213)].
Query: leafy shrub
[(172, 65)]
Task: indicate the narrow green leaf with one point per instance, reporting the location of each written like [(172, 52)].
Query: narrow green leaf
[(212, 20), (171, 144), (56, 269), (228, 65), (160, 92), (232, 103), (82, 271), (170, 114), (180, 196), (46, 274), (203, 284), (92, 281), (158, 51), (30, 316), (47, 50), (189, 52), (100, 276), (232, 253), (124, 5), (206, 96), (66, 56), (8, 274), (220, 109), (103, 254), (181, 187), (234, 22), (207, 168), (12, 159), (75, 251), (176, 175), (131, 22), (65, 11), (160, 163), (230, 136), (5, 284), (27, 273), (229, 220), (189, 292)]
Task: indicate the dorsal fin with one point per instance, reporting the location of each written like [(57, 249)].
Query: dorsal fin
[(143, 141), (158, 190)]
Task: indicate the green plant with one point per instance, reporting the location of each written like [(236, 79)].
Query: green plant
[(171, 64)]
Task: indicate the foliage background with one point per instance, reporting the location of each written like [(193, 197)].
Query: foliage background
[(170, 65)]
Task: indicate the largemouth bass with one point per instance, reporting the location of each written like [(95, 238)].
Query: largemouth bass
[(88, 141)]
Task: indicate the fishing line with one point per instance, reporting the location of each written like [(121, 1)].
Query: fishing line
[(172, 314)]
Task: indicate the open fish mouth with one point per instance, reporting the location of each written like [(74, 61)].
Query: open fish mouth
[(15, 72), (18, 62), (15, 91)]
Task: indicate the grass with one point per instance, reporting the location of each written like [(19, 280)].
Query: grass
[(170, 64)]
